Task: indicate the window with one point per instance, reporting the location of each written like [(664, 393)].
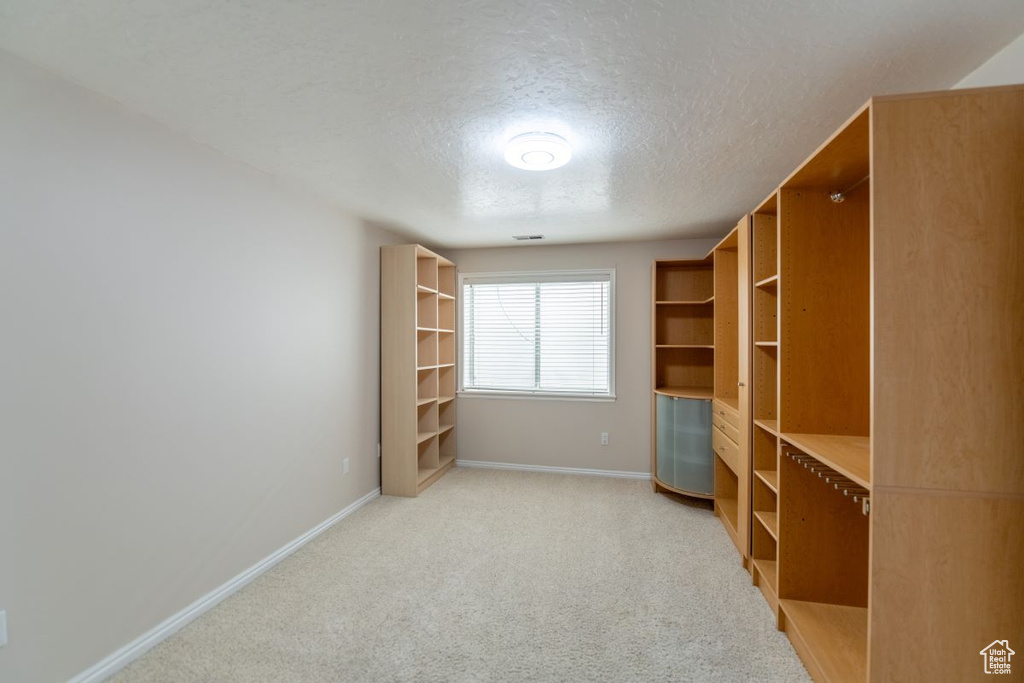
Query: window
[(539, 334)]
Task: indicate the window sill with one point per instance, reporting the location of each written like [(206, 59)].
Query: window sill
[(540, 396)]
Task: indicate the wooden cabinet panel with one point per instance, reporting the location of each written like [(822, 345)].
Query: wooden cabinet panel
[(948, 183), (945, 582)]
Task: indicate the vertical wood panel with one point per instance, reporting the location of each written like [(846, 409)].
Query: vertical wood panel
[(946, 581), (398, 370), (743, 369), (948, 258)]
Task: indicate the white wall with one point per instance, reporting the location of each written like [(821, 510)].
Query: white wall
[(1005, 67), (566, 433), (188, 352)]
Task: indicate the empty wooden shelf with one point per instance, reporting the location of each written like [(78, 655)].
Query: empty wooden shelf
[(770, 478), (849, 455), (831, 639), (769, 521), (770, 426)]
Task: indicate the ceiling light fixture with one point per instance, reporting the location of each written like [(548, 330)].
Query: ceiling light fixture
[(538, 151)]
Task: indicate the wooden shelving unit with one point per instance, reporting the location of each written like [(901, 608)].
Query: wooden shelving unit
[(884, 437), (417, 368), (764, 445), (823, 402), (683, 351), (731, 408)]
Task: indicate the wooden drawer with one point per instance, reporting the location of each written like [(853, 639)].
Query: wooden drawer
[(726, 413), (730, 431), (726, 449)]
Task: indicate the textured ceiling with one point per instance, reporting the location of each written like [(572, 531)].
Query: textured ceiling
[(683, 115)]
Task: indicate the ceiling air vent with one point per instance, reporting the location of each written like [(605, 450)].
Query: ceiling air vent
[(527, 238)]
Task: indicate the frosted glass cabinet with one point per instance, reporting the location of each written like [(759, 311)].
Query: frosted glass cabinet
[(684, 444)]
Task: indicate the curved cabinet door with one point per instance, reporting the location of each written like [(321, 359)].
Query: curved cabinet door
[(684, 444)]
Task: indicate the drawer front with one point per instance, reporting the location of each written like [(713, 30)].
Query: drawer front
[(719, 423), (726, 449), (726, 413)]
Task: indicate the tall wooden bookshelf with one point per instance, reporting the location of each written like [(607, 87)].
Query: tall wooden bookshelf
[(887, 502), (418, 316), (683, 342)]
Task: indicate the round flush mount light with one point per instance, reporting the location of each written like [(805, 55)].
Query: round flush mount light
[(538, 151)]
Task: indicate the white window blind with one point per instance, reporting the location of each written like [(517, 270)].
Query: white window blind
[(538, 333)]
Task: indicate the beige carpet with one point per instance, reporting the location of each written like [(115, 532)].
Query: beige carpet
[(496, 576)]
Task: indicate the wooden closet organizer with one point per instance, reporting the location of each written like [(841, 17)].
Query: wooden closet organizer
[(886, 429), (700, 352), (729, 433)]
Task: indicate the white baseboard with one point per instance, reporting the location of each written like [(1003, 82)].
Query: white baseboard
[(135, 649), (616, 474)]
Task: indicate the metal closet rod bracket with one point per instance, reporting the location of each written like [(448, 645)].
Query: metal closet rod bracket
[(838, 196)]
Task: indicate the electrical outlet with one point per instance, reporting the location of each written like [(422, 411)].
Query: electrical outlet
[(3, 627), (604, 438), (344, 466)]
